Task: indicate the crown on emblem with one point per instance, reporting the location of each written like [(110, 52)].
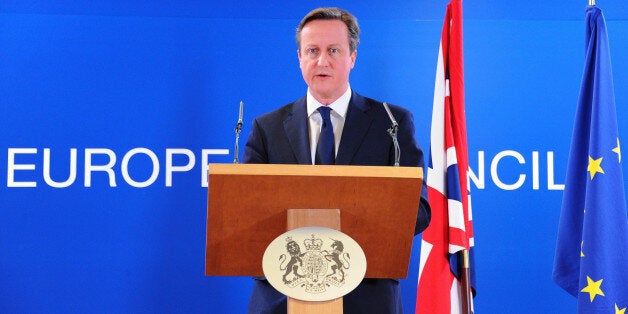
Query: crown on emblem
[(313, 244)]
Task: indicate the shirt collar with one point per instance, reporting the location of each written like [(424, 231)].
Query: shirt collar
[(339, 106)]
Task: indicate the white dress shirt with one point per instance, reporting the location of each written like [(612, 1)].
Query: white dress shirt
[(338, 114)]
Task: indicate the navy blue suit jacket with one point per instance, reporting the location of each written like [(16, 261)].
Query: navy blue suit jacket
[(282, 137)]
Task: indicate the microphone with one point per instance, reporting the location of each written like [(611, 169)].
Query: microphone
[(238, 129), (394, 127)]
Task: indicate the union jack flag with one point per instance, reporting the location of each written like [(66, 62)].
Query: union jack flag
[(451, 230)]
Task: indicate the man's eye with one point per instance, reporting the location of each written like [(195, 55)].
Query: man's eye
[(312, 51), (334, 51)]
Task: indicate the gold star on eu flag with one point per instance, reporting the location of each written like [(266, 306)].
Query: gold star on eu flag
[(595, 166), (618, 310), (593, 288)]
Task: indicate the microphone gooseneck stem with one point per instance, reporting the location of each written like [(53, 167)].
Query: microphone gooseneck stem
[(238, 129), (393, 133), (394, 128), (235, 150)]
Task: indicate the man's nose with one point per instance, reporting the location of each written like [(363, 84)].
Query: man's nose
[(323, 59)]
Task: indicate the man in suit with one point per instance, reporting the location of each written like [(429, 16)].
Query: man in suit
[(300, 133)]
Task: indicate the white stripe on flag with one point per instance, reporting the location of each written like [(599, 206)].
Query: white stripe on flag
[(452, 159), (436, 179), (456, 214), (454, 296), (455, 248), (426, 248), (435, 174)]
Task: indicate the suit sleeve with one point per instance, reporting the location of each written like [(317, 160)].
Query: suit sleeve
[(412, 156), (255, 148)]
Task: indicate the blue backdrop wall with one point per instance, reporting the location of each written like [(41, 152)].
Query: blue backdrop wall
[(109, 111)]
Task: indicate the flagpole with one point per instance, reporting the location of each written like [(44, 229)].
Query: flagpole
[(465, 281)]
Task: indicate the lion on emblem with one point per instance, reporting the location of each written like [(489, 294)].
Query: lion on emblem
[(295, 262), (339, 265)]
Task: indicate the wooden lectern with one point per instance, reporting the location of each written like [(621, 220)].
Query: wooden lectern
[(248, 208)]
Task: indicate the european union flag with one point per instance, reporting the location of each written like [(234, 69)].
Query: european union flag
[(591, 259)]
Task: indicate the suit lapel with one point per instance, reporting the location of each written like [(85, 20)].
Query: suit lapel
[(297, 132), (355, 129)]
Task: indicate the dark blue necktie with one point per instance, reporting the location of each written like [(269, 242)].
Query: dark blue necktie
[(326, 145)]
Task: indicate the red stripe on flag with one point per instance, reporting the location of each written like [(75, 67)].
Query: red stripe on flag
[(436, 275)]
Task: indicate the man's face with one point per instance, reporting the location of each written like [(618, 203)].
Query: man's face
[(325, 59)]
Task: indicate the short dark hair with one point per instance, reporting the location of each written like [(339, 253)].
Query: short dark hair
[(333, 14)]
